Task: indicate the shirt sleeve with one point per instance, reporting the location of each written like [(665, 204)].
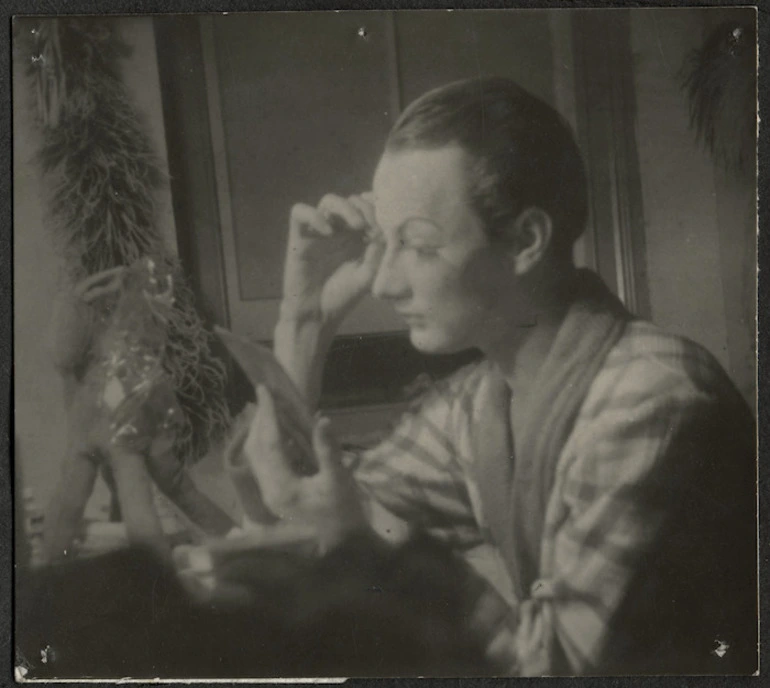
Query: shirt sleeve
[(415, 475), (631, 501)]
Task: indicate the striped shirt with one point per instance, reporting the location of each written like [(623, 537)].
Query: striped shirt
[(642, 467)]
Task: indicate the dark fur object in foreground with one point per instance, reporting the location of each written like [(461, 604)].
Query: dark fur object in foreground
[(364, 610)]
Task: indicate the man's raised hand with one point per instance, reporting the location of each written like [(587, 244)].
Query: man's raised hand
[(332, 257)]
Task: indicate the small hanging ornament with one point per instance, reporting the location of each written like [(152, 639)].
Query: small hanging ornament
[(50, 79)]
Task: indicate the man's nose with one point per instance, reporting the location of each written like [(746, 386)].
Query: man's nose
[(389, 282)]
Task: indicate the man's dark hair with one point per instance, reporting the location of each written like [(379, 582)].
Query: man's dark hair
[(522, 152)]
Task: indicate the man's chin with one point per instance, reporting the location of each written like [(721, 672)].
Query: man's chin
[(427, 344)]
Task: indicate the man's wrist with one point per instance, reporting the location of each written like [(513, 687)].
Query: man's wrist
[(290, 311), (304, 327), (301, 315), (300, 343)]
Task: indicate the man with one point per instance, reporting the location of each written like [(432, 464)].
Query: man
[(596, 471)]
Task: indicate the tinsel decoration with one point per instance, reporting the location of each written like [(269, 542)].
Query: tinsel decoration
[(719, 80), (104, 177)]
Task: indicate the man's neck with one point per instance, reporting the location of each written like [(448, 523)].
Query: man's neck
[(523, 344)]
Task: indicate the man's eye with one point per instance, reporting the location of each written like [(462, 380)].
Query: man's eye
[(424, 250)]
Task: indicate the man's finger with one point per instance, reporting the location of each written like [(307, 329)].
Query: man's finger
[(525, 629), (367, 268), (307, 217), (325, 446), (284, 534), (264, 428), (263, 447), (373, 255), (332, 205), (365, 208)]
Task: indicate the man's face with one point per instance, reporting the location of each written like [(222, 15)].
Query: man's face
[(439, 270)]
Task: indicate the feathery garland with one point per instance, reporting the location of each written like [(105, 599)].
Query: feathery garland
[(103, 176)]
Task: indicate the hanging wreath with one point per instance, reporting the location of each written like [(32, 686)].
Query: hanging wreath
[(719, 80), (103, 179)]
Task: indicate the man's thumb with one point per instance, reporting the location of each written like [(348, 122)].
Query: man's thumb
[(325, 445)]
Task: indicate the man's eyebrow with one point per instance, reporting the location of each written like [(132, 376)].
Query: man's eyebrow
[(418, 218)]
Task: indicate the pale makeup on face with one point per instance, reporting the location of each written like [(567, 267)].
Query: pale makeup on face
[(439, 270)]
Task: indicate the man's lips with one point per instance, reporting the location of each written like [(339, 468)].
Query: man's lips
[(411, 317)]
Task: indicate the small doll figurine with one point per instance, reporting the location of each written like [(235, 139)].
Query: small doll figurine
[(109, 338)]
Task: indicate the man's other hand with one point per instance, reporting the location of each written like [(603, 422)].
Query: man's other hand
[(327, 501)]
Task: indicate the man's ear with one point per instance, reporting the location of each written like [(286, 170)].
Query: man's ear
[(530, 237)]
